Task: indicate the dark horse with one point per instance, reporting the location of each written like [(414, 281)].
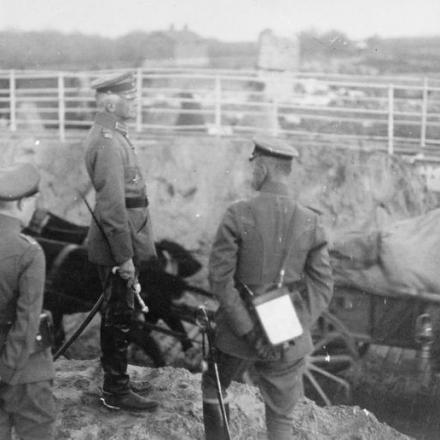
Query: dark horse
[(73, 286)]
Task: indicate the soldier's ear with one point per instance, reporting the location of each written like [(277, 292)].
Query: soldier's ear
[(108, 101), (110, 106), (264, 167)]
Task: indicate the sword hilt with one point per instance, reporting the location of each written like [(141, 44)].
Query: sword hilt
[(136, 287), (202, 318), (137, 290)]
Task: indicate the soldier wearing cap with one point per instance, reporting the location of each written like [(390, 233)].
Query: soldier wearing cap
[(120, 234), (26, 367), (248, 248)]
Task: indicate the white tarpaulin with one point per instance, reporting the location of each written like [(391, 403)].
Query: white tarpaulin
[(403, 257)]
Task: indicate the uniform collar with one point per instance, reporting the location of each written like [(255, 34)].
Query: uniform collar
[(9, 223), (274, 188), (110, 121)]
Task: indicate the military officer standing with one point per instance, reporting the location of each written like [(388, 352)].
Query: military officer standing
[(120, 235), (249, 249), (26, 369)]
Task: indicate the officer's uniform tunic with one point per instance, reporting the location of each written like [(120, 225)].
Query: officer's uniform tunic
[(122, 212), (249, 247), (26, 374), (116, 175)]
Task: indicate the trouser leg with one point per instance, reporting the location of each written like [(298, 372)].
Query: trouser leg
[(213, 422), (5, 418), (229, 368), (7, 403), (279, 426), (281, 386), (31, 410), (115, 327)]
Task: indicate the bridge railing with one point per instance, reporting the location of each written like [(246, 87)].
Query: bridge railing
[(389, 111)]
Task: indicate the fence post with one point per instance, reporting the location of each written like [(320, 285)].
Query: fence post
[(139, 100), (61, 107), (12, 102), (275, 118), (391, 119), (424, 113), (218, 104)]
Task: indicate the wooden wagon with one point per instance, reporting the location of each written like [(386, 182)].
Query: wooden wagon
[(357, 318)]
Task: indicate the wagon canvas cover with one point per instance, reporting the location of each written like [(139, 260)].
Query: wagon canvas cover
[(403, 258)]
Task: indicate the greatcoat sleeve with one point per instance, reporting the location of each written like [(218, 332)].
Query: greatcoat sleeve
[(20, 341), (318, 277), (222, 267), (109, 182)]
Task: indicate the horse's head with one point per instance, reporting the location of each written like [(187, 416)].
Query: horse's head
[(176, 260)]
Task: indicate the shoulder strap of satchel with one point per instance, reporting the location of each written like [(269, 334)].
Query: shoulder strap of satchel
[(287, 249), (288, 246)]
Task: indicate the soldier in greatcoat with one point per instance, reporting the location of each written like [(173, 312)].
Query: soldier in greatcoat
[(27, 403), (120, 234), (247, 250)]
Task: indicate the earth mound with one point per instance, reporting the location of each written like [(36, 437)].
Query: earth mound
[(179, 417)]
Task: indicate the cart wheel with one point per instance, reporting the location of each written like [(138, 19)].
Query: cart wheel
[(335, 350)]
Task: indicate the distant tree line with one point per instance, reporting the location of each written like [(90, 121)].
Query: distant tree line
[(76, 51), (384, 55), (56, 50), (400, 55)]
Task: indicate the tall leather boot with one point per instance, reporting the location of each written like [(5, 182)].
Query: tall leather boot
[(114, 347), (129, 400), (117, 393), (213, 421)]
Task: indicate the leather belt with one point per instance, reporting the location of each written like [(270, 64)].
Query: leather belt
[(295, 285), (136, 202)]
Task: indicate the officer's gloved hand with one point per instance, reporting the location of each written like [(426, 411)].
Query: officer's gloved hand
[(263, 349), (127, 270)]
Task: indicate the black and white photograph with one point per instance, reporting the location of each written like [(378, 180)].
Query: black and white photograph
[(219, 220)]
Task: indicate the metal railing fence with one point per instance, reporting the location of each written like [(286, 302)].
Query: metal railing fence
[(388, 110)]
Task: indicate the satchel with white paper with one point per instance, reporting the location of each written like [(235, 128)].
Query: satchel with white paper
[(277, 316), (274, 309)]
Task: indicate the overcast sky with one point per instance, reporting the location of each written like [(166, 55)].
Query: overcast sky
[(231, 20)]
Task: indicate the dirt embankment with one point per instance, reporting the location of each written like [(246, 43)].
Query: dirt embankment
[(191, 180), (179, 417)]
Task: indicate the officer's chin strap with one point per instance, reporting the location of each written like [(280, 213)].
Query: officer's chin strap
[(205, 324)]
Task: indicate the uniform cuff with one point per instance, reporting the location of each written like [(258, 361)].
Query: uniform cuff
[(244, 325), (235, 310), (121, 247)]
